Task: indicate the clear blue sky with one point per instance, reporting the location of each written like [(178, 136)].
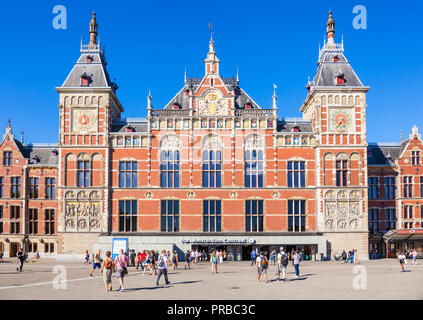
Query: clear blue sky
[(148, 45)]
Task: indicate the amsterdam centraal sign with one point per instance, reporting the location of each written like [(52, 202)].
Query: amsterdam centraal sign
[(219, 241)]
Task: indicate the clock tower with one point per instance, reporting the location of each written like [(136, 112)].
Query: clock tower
[(336, 106), (88, 106)]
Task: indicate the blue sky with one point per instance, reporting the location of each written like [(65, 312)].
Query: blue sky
[(148, 45)]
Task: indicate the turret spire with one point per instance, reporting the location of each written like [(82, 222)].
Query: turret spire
[(212, 62), (330, 29), (93, 30)]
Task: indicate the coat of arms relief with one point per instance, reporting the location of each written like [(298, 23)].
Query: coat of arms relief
[(212, 104)]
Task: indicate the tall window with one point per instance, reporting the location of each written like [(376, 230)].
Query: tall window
[(373, 188), (1, 227), (128, 215), (296, 215), (390, 187), (169, 215), (1, 212), (390, 219), (341, 173), (408, 212), (128, 174), (169, 169), (15, 215), (49, 221), (212, 168), (33, 188), (415, 158), (421, 187), (83, 173), (373, 220), (254, 168), (408, 187), (33, 221), (296, 174), (1, 187), (254, 215), (50, 188), (212, 216), (15, 187), (7, 158)]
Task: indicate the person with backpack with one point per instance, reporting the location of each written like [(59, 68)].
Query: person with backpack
[(107, 270), (253, 257), (162, 267), (296, 261), (213, 261), (282, 263), (262, 264)]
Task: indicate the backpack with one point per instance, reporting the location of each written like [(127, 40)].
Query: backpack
[(284, 260), (162, 262), (108, 264), (263, 262)]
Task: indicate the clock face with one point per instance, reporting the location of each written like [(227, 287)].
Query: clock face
[(341, 120), (84, 120)]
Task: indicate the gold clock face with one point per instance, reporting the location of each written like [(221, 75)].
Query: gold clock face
[(341, 120), (84, 120)]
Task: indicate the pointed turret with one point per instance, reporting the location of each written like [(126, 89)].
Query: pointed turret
[(212, 62), (93, 30), (330, 30)]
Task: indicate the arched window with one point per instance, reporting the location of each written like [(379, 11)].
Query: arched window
[(212, 162), (254, 161), (169, 162)]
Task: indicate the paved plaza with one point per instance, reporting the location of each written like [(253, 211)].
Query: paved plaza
[(235, 280)]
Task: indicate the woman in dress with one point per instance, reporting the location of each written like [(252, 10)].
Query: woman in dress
[(121, 263), (175, 260), (213, 261), (147, 262)]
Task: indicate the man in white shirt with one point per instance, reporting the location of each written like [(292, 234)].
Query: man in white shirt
[(282, 263), (401, 260), (162, 267)]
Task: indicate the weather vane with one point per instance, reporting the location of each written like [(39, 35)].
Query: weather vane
[(211, 29)]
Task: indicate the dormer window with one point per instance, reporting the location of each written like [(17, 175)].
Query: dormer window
[(187, 92), (335, 59), (176, 106), (90, 59), (129, 129), (340, 81), (296, 129), (84, 79), (248, 105)]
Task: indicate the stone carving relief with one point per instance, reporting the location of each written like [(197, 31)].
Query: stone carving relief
[(343, 212), (233, 195), (212, 104), (148, 195), (170, 142), (83, 211), (254, 141), (212, 142), (275, 194), (191, 195)]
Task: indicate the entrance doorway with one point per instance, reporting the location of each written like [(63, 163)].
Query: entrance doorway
[(14, 248)]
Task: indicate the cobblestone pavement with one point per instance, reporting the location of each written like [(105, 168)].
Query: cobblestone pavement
[(235, 280)]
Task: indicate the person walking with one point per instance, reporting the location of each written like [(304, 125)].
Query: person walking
[(147, 264), (296, 262), (344, 256), (262, 264), (107, 270), (355, 256), (282, 263), (352, 256), (401, 260), (273, 257), (1, 256), (97, 262), (153, 264), (213, 261), (175, 260), (21, 260), (162, 267), (139, 261), (220, 256), (121, 263), (253, 257), (87, 257), (187, 260), (414, 256)]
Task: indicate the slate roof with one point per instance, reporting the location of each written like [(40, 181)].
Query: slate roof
[(287, 125), (241, 97), (328, 70), (136, 124), (98, 76), (383, 153), (41, 154)]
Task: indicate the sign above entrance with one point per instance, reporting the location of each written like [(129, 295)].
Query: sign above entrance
[(219, 241)]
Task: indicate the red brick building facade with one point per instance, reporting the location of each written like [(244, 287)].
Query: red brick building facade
[(210, 169)]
